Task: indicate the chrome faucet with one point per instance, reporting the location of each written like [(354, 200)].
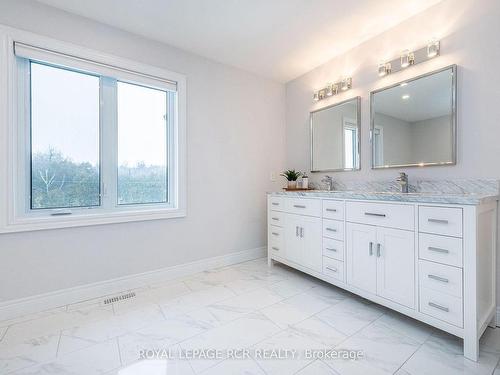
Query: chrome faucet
[(403, 182), (328, 181)]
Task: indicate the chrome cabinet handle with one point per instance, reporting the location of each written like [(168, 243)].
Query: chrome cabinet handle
[(439, 307), (296, 231), (275, 218), (331, 229), (438, 278), (329, 248), (275, 248), (378, 250), (374, 214), (438, 250), (275, 204), (331, 209), (371, 248), (275, 234), (301, 232), (437, 221), (332, 269), (299, 206)]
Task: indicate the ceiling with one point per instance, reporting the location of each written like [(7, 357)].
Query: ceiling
[(428, 97), (278, 39)]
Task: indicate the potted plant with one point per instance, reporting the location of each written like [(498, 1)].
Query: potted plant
[(291, 176)]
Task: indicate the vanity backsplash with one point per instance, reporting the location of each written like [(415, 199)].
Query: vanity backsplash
[(462, 186)]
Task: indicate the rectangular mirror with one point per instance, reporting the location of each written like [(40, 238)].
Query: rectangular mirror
[(335, 137), (413, 123)]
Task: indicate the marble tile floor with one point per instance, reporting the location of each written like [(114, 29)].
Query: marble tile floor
[(247, 306)]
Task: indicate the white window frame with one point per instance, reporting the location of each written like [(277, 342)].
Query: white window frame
[(14, 176)]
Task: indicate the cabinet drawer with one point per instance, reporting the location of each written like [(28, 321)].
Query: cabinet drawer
[(276, 218), (382, 214), (333, 268), (333, 248), (333, 229), (440, 249), (441, 278), (275, 203), (333, 210), (440, 220), (308, 207), (275, 240), (441, 306)]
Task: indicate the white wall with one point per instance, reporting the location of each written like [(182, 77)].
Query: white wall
[(235, 126), (469, 32), (396, 139), (431, 140)]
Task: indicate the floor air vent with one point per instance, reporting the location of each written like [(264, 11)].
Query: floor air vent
[(107, 301)]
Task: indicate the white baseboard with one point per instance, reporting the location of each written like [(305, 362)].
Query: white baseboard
[(41, 302)]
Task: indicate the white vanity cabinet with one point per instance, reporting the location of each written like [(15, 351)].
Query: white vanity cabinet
[(382, 261), (303, 240), (434, 262)]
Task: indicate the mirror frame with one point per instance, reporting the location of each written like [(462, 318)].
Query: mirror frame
[(358, 124), (453, 120)]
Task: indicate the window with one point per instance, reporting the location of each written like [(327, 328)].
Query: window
[(64, 138), (142, 145), (95, 142), (351, 151)]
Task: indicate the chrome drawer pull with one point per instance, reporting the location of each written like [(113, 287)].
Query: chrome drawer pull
[(275, 218), (439, 307), (332, 269), (438, 250), (329, 248), (275, 248), (371, 248), (331, 229), (374, 214), (299, 206), (331, 209), (437, 221), (378, 250), (437, 278), (275, 204), (275, 234)]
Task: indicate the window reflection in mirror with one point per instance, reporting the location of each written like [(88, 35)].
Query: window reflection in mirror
[(413, 122), (335, 137)]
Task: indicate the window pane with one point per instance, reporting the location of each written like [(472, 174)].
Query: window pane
[(64, 138), (142, 144)]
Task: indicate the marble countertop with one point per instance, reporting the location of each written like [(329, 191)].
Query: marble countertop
[(420, 197)]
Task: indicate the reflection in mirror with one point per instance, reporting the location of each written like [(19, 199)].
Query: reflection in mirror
[(335, 137), (413, 122)]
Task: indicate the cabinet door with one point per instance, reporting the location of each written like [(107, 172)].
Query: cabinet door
[(396, 265), (312, 250), (361, 257), (293, 241)]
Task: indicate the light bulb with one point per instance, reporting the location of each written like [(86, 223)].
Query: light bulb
[(407, 58), (433, 48), (384, 69)]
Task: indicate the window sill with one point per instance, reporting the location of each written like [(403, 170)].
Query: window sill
[(26, 224)]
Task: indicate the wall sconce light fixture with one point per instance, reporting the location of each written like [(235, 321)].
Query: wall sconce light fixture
[(409, 58), (332, 89)]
